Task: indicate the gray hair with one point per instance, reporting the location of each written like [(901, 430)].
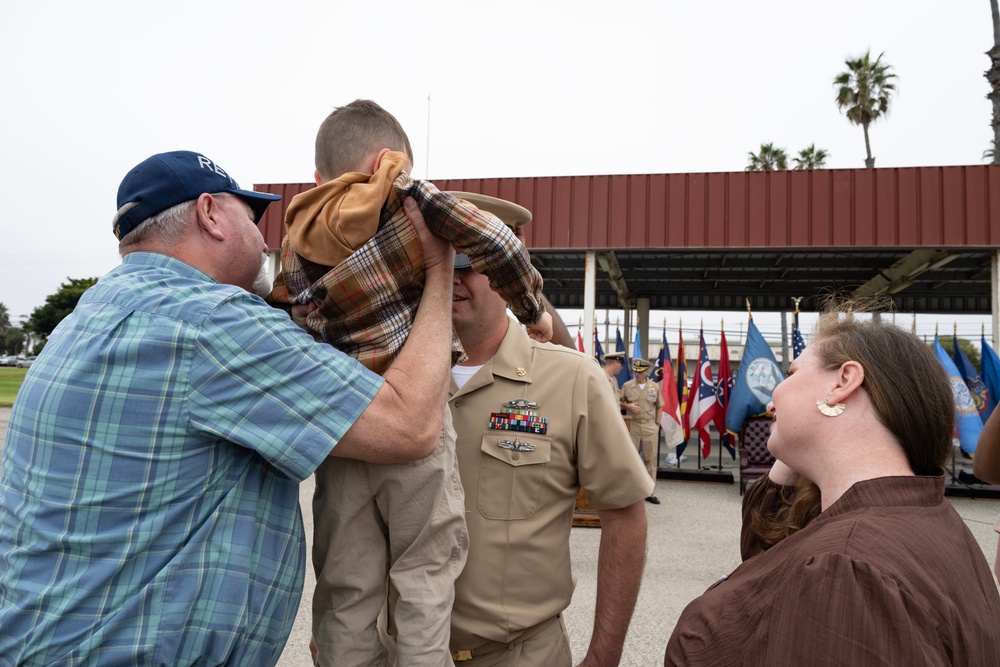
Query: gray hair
[(167, 226)]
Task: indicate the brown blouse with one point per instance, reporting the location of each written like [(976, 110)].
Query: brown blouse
[(888, 575)]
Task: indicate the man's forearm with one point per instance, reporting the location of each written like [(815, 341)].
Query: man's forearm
[(560, 333), (619, 574), (421, 373)]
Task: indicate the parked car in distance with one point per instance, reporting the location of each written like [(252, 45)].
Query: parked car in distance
[(6, 360), (24, 363)]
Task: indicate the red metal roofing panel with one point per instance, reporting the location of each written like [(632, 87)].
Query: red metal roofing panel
[(716, 203), (843, 189), (736, 209), (863, 224), (993, 204), (953, 207), (975, 206), (800, 231), (885, 208), (931, 221), (820, 221), (908, 202), (845, 208)]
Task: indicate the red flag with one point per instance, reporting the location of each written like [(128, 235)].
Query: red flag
[(579, 341), (670, 417), (723, 387), (701, 401), (682, 389)]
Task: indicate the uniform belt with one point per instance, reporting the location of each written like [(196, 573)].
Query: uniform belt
[(642, 421), (490, 647)]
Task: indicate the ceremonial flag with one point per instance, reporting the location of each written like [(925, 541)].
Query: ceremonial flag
[(579, 341), (598, 350), (723, 389), (977, 388), (670, 418), (968, 424), (798, 344), (682, 390), (991, 376), (636, 349), (701, 401), (759, 374), (625, 374)]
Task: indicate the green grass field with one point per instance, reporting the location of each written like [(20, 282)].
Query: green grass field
[(10, 382)]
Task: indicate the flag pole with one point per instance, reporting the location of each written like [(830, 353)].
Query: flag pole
[(697, 439), (722, 330)]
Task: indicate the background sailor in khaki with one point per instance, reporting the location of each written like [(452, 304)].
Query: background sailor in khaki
[(521, 487), (613, 362), (643, 402)]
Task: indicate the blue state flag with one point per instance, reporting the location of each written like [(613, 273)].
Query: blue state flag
[(968, 424), (980, 394), (759, 374), (636, 349), (991, 376), (598, 350), (625, 374)]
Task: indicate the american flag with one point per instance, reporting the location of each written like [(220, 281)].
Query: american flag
[(798, 344)]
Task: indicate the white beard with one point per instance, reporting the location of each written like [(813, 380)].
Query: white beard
[(262, 283)]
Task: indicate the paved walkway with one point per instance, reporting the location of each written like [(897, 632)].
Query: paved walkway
[(693, 540)]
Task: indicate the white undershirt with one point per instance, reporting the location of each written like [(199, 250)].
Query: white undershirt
[(463, 373)]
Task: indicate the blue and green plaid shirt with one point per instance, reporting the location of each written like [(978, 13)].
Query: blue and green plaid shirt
[(149, 494)]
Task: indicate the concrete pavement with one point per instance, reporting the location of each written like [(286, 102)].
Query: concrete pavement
[(693, 541)]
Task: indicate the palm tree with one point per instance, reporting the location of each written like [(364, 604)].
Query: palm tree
[(993, 77), (811, 158), (770, 158), (863, 93)]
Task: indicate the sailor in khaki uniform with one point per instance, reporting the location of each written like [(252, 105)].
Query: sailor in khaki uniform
[(643, 401), (536, 421), (613, 362)]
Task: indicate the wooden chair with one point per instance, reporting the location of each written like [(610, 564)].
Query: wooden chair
[(755, 460)]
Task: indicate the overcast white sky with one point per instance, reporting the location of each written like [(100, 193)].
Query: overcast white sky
[(517, 88)]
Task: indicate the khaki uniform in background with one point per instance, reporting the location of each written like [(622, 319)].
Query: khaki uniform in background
[(519, 504), (644, 428), (612, 357), (615, 392)]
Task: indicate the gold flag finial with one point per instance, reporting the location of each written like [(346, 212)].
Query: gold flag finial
[(797, 299)]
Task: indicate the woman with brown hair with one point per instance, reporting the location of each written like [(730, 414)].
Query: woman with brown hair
[(852, 555)]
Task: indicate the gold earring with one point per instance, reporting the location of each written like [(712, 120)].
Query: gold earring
[(831, 410)]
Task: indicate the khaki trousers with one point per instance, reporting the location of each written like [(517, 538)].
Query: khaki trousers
[(404, 522), (548, 648)]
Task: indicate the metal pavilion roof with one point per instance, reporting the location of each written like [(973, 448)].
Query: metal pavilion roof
[(710, 241)]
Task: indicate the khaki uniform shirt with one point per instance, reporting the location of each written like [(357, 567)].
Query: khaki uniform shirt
[(613, 383), (650, 401), (519, 505)]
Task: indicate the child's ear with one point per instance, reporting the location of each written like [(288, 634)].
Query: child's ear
[(378, 160), (317, 177)]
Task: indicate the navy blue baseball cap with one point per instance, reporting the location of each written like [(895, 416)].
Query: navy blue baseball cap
[(168, 179)]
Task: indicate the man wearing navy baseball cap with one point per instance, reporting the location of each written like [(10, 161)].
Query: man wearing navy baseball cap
[(168, 179), (149, 492)]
